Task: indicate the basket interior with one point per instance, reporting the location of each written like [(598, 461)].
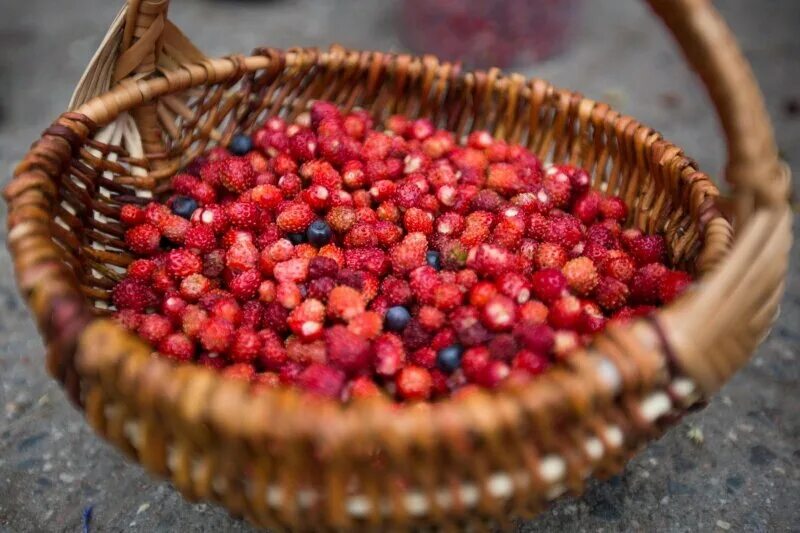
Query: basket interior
[(663, 190)]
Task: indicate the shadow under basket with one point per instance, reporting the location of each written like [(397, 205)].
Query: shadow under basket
[(150, 102)]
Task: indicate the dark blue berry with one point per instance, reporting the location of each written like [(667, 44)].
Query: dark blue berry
[(397, 318), (433, 259), (448, 359), (319, 233), (183, 206), (296, 238), (240, 144)]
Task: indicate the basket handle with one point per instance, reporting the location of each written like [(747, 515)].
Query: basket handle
[(753, 167)]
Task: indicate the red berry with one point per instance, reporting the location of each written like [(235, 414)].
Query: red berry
[(548, 285), (216, 334), (646, 283), (581, 275), (414, 383), (134, 294), (131, 215), (673, 284), (346, 350), (177, 346), (245, 346), (499, 313), (646, 249), (611, 293), (565, 313), (143, 239), (153, 328), (295, 218), (236, 174), (322, 380)]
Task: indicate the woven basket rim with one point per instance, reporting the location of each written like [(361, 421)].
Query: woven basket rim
[(293, 401)]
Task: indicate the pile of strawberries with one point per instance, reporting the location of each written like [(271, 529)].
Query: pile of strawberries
[(351, 261)]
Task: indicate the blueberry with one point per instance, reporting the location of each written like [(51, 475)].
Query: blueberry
[(448, 359), (183, 206), (319, 233), (433, 259), (296, 238), (397, 318), (240, 144)]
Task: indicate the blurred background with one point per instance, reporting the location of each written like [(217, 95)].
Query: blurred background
[(733, 466)]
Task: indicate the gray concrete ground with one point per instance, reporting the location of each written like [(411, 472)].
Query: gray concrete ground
[(743, 476)]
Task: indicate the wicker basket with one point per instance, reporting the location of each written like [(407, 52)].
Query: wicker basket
[(150, 102)]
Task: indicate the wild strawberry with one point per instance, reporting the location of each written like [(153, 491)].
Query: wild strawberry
[(611, 293), (409, 253), (367, 325), (131, 215), (646, 249), (550, 255), (128, 319), (181, 263), (371, 260), (288, 294), (558, 188), (673, 284), (587, 207), (564, 230), (532, 362), (499, 313), (515, 286), (614, 208), (141, 269), (446, 296), (533, 311), (243, 215), (618, 265), (290, 185), (194, 286), (239, 371), (155, 213), (245, 347), (345, 303), (143, 239), (153, 328), (431, 318), (481, 293), (565, 313), (252, 314), (236, 174), (346, 350), (490, 260), (132, 293), (245, 284), (295, 218), (192, 320), (581, 275), (646, 283), (566, 343), (548, 284), (322, 380), (473, 362), (492, 374), (266, 196), (200, 238), (414, 383), (538, 338), (177, 346), (478, 226), (213, 216), (216, 334), (362, 388), (389, 354)]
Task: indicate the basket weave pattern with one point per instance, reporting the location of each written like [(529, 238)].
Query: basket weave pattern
[(283, 459)]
